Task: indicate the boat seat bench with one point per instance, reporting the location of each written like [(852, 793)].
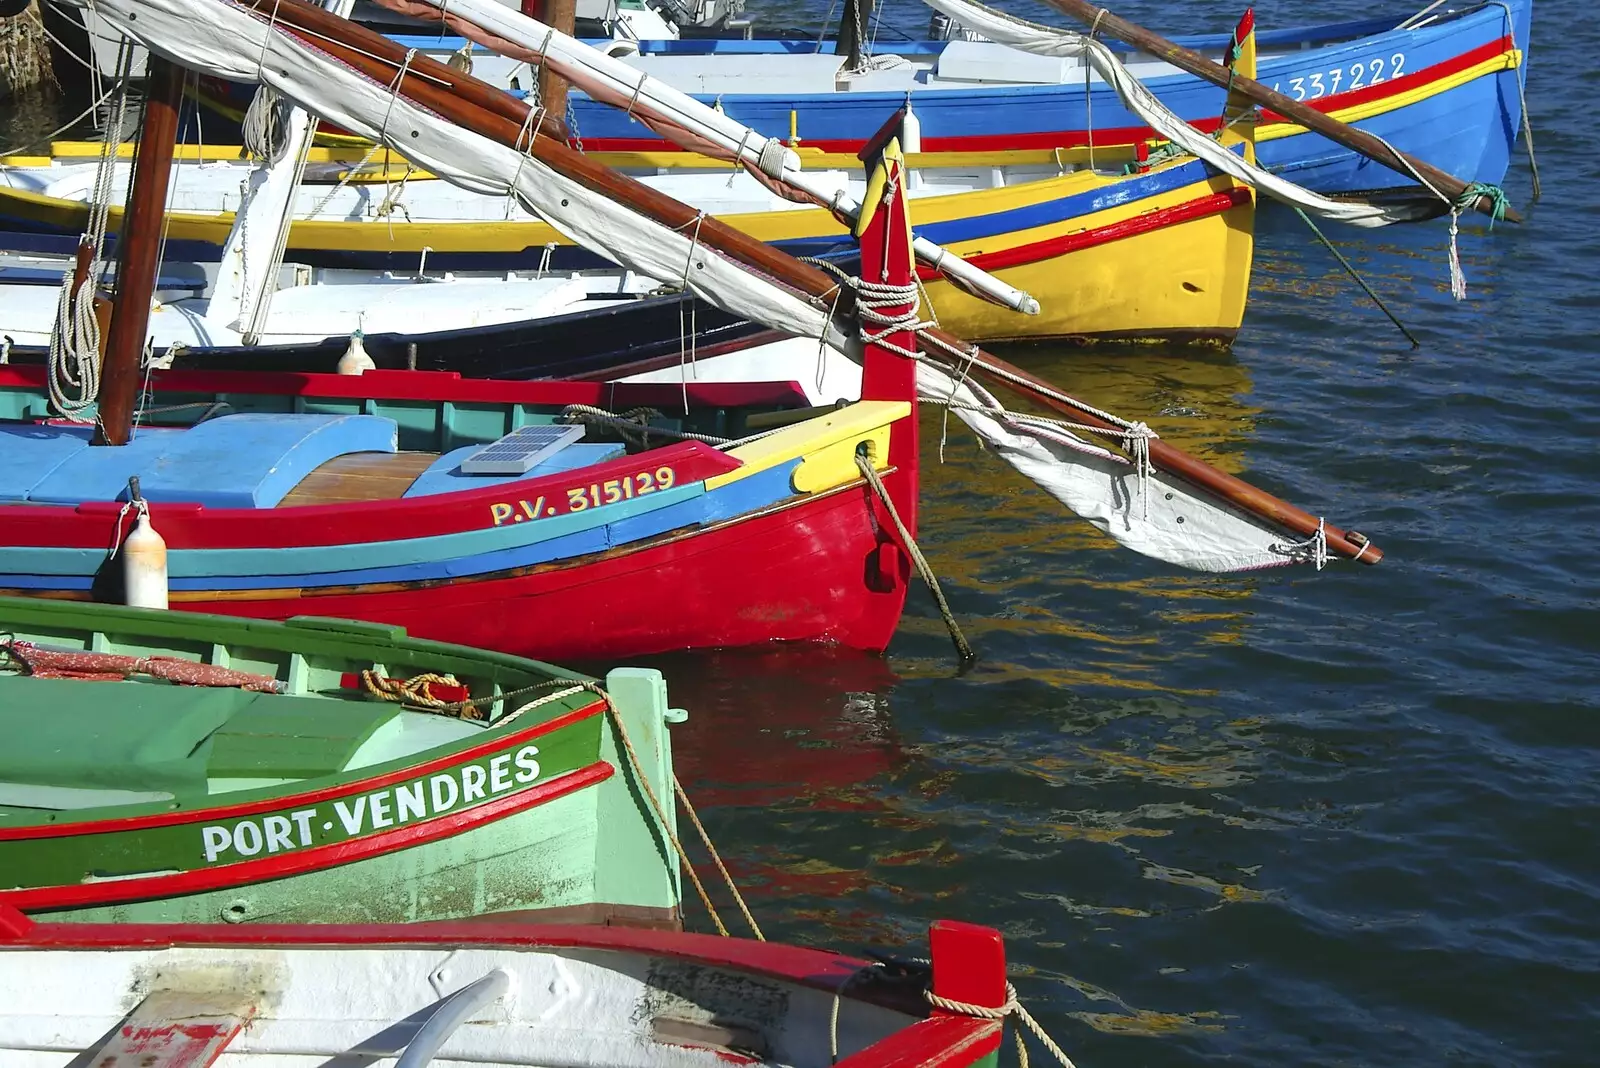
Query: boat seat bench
[(152, 736)]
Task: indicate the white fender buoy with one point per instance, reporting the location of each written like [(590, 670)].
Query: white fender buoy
[(144, 563), (355, 359), (911, 141)]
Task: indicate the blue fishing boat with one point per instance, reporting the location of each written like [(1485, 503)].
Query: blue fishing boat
[(1445, 87)]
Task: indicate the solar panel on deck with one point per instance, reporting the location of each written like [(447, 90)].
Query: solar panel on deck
[(521, 450)]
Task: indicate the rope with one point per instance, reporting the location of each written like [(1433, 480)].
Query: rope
[(963, 650), (1362, 282), (1012, 1007), (1088, 96), (416, 691), (265, 124), (74, 378), (838, 998), (1314, 548), (666, 826), (694, 818)]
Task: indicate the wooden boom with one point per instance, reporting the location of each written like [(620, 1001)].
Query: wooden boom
[(456, 97), (1374, 148)]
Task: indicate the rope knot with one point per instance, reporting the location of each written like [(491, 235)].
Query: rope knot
[(1012, 1007)]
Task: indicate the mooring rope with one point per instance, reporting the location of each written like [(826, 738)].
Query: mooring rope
[(963, 649), (74, 379), (1012, 1007), (1360, 281), (415, 692)]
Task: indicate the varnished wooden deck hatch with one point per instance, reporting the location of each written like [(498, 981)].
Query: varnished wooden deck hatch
[(360, 476)]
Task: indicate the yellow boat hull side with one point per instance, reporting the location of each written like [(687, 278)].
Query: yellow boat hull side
[(1170, 266)]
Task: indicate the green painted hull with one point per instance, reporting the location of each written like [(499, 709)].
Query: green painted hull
[(143, 801)]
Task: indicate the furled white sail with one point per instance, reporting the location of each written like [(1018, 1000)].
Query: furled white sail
[(224, 40), (1143, 509), (1050, 41), (219, 38), (681, 119)]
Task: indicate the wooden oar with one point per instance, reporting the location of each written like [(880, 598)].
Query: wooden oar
[(446, 92), (1309, 117)]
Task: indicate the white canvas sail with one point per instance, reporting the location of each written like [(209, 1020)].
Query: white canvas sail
[(681, 119), (1050, 41), (220, 38)]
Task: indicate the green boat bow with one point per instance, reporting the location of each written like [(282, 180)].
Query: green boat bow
[(141, 782)]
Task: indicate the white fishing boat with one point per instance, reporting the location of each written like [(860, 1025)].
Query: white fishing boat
[(487, 993)]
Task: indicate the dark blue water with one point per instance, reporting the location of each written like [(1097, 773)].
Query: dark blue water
[(1347, 818)]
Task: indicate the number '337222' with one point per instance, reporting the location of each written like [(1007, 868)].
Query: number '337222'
[(1357, 75)]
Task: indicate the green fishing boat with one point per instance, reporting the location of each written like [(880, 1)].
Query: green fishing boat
[(174, 767)]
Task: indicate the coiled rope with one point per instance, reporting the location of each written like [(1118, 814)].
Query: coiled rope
[(74, 378)]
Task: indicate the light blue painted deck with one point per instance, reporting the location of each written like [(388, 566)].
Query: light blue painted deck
[(236, 461)]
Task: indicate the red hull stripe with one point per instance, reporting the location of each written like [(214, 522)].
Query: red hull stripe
[(1109, 136), (940, 1042), (315, 858), (191, 526), (312, 797), (1139, 224), (807, 967)]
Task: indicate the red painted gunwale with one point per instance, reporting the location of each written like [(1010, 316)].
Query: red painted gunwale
[(300, 800), (309, 859), (941, 1041), (193, 526), (1108, 137)]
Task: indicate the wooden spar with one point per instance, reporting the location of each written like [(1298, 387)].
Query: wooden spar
[(560, 15), (429, 84), (1235, 491), (1356, 140), (138, 253)]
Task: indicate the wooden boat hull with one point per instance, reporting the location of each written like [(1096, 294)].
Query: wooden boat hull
[(791, 573), (1447, 93), (787, 546), (537, 814), (1161, 256), (487, 993)]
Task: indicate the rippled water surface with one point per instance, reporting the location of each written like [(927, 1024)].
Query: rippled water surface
[(1346, 818)]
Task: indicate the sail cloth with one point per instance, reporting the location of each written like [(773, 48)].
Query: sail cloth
[(1041, 40), (1130, 503), (221, 39), (683, 120), (1146, 510)]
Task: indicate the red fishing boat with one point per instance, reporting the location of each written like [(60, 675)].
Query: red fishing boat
[(301, 501)]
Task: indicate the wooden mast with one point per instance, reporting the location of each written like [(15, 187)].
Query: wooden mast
[(1356, 140), (138, 252), (562, 16), (451, 95)]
